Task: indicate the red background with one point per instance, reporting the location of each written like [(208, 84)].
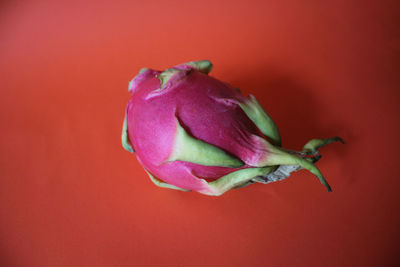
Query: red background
[(71, 196)]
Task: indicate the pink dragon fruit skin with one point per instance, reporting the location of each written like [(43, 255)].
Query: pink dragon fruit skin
[(193, 132)]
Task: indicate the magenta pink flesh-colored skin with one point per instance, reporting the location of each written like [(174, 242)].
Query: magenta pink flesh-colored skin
[(206, 108)]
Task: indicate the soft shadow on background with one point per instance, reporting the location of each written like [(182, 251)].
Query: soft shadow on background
[(298, 114)]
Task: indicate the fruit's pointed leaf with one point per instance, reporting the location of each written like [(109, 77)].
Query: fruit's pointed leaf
[(159, 183), (313, 145), (204, 66), (169, 79), (190, 149), (166, 75), (143, 70), (141, 76), (236, 179), (280, 157), (126, 144), (261, 119)]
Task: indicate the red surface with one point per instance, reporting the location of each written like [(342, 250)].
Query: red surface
[(71, 196)]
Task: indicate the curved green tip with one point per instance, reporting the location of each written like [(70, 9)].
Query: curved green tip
[(280, 157), (191, 149), (261, 119), (159, 183), (126, 144), (166, 75), (313, 145), (204, 66)]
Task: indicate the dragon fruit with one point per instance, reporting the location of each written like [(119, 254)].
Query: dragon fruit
[(191, 131)]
